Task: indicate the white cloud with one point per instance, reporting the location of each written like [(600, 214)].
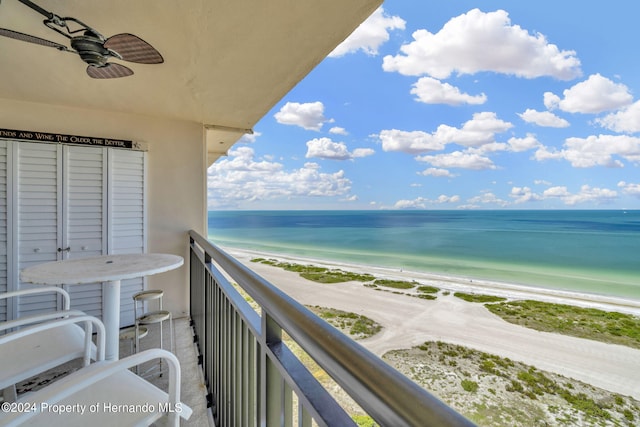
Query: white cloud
[(478, 131), (557, 192), (325, 148), (370, 35), (437, 173), (523, 144), (363, 152), (491, 147), (413, 142), (421, 202), (447, 199), (629, 188), (433, 91), (478, 41), (523, 194), (595, 151), (309, 116), (594, 95), (249, 138), (586, 194), (543, 118), (626, 120), (336, 130), (487, 198), (240, 178), (458, 159)]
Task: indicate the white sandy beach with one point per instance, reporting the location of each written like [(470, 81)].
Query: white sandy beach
[(411, 321)]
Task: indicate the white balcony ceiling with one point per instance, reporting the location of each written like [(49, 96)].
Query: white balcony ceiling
[(226, 62)]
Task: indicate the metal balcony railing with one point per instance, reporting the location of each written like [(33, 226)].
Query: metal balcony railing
[(253, 378)]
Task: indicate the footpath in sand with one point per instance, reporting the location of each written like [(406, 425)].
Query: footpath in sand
[(409, 322)]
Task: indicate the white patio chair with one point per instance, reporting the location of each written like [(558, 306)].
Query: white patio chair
[(9, 393), (37, 348), (40, 317), (109, 393)]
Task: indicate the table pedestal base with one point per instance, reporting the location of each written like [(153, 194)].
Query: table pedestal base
[(111, 318)]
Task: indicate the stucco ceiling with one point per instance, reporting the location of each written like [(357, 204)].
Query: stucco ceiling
[(227, 62)]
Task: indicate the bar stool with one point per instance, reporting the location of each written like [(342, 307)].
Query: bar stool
[(131, 334), (151, 317)]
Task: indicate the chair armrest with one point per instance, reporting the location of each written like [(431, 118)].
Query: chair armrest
[(88, 321), (39, 290), (37, 318)]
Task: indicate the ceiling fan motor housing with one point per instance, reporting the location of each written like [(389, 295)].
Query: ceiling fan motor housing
[(91, 49)]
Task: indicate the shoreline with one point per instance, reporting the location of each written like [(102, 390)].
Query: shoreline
[(459, 283)]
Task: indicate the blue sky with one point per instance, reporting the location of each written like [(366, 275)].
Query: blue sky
[(455, 105)]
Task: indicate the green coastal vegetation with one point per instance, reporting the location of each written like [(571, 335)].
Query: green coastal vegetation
[(317, 274), (396, 284), (353, 324), (327, 275), (591, 323), (496, 391), (478, 297)]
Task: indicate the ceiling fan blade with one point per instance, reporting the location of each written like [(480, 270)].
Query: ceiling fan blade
[(31, 39), (133, 49), (109, 71)]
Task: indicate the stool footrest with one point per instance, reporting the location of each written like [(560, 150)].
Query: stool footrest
[(130, 333), (153, 317), (148, 295)]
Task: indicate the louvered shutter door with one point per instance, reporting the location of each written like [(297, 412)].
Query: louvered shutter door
[(84, 216), (38, 215), (127, 217), (4, 231)]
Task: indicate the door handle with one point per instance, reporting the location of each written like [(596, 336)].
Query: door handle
[(64, 250)]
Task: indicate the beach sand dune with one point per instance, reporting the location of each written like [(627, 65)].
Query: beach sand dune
[(408, 322)]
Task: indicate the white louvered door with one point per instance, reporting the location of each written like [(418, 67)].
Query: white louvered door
[(37, 213), (69, 202), (84, 217), (127, 217), (4, 228)]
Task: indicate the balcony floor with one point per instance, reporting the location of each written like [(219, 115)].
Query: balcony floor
[(192, 389)]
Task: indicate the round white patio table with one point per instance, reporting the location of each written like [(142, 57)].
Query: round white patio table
[(108, 269)]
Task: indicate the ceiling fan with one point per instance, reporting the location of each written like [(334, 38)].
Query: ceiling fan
[(93, 47)]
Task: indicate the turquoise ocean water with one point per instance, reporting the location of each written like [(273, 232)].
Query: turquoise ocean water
[(585, 251)]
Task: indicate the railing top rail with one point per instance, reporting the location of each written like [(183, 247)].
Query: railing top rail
[(388, 396)]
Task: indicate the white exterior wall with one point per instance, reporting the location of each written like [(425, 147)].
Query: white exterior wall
[(176, 180)]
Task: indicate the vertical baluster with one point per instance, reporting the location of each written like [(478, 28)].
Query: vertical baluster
[(253, 374), (287, 404), (260, 380), (205, 342), (246, 377), (227, 360), (217, 342), (238, 383), (304, 418), (271, 393), (234, 364), (231, 374)]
